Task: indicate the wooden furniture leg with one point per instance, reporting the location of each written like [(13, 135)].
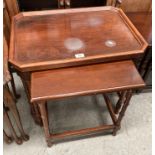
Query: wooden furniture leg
[(119, 93), (7, 139), (44, 116), (47, 80), (34, 108), (17, 96), (110, 108), (120, 102), (9, 124), (122, 112), (10, 103), (37, 114), (148, 67)]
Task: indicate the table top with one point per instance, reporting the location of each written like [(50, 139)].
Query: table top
[(143, 22), (59, 38), (106, 77)]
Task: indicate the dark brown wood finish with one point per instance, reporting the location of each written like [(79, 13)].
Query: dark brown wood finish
[(120, 101), (42, 46), (8, 99), (10, 103), (122, 112), (105, 77), (136, 5), (61, 83), (7, 120), (143, 22), (10, 9)]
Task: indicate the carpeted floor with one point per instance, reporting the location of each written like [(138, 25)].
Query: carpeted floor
[(134, 138)]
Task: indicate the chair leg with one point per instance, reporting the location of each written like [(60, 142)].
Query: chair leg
[(7, 139), (9, 124), (122, 112), (44, 116), (13, 109)]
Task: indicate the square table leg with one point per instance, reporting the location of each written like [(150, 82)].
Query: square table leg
[(44, 116), (25, 77)]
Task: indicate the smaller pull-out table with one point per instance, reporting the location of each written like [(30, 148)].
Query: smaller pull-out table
[(93, 79)]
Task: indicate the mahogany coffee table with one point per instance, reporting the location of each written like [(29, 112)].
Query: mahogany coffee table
[(43, 40)]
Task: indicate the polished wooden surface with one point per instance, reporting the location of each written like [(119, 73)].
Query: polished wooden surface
[(136, 5), (143, 22), (38, 39), (84, 80)]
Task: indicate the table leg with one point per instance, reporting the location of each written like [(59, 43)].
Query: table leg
[(110, 108), (122, 112), (17, 96), (120, 102), (10, 103), (44, 116), (37, 114), (9, 124), (7, 139), (25, 77)]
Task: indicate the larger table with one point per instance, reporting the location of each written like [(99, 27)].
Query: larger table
[(43, 40), (145, 28)]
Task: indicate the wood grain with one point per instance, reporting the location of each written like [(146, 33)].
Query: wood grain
[(144, 26), (42, 46), (92, 79), (12, 7), (136, 5)]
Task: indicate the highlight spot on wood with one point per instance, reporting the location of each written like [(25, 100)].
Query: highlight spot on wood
[(110, 43), (73, 44)]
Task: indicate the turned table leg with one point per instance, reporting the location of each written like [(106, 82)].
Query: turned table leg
[(7, 139), (10, 103), (120, 102), (122, 112), (44, 116), (9, 124)]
